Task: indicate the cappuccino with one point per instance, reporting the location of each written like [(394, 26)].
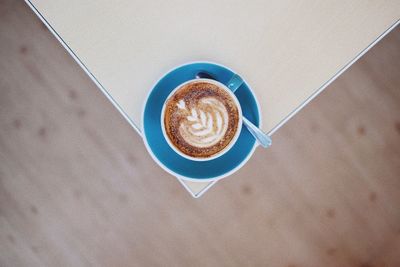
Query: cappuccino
[(201, 119)]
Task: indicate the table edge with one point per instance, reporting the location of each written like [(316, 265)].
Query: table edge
[(334, 77), (83, 66)]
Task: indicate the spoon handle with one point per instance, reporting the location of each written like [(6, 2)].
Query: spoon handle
[(262, 138)]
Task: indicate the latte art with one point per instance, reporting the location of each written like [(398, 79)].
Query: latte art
[(201, 119), (206, 123)]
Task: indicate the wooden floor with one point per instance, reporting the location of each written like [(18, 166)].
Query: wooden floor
[(77, 187)]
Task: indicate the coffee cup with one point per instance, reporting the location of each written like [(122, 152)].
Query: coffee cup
[(201, 119)]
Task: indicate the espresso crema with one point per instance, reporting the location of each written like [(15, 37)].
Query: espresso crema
[(201, 119)]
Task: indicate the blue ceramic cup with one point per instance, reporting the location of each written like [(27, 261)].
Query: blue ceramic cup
[(176, 164)]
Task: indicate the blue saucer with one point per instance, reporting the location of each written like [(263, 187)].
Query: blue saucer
[(168, 158)]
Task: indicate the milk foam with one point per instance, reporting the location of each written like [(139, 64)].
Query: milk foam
[(205, 124)]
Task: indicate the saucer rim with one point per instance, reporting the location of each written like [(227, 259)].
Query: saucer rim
[(216, 178)]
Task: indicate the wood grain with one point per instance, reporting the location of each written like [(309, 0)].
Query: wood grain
[(77, 187)]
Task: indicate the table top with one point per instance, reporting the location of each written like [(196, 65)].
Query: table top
[(287, 52)]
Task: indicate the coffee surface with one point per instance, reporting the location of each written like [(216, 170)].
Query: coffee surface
[(201, 119)]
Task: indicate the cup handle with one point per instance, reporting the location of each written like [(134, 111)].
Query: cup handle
[(235, 82)]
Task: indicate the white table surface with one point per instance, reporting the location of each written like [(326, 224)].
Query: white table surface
[(288, 51)]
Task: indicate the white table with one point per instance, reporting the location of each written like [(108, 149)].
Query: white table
[(288, 51)]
